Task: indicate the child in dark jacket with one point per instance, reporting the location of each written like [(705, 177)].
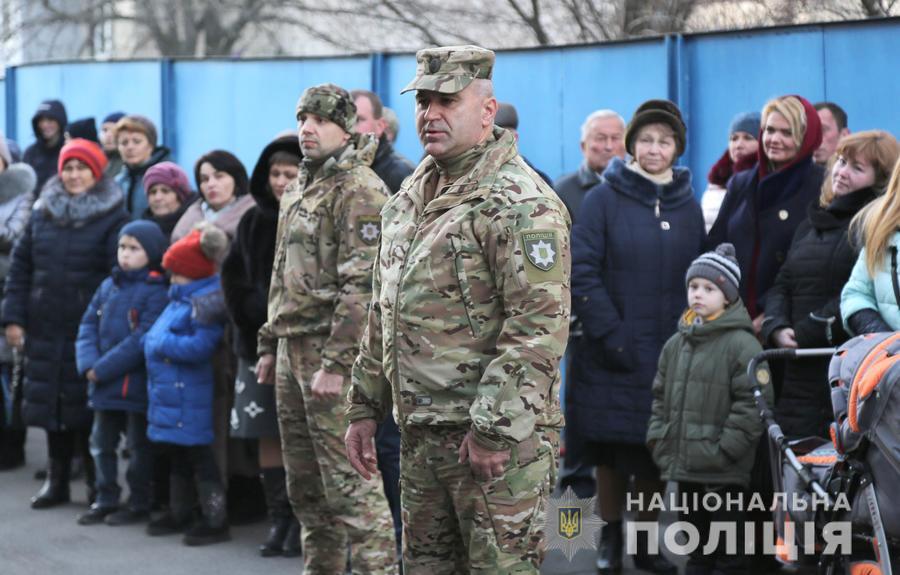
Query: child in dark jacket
[(704, 426), (110, 354), (179, 348)]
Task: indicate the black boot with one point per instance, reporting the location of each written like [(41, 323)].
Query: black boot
[(292, 543), (653, 563), (213, 526), (177, 517), (609, 553), (56, 487), (280, 513)]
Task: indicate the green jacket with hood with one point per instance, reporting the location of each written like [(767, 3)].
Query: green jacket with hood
[(705, 425)]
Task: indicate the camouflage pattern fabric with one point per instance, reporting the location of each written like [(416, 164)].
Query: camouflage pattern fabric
[(328, 234), (334, 504), (449, 69), (330, 102), (468, 323), (456, 524), (471, 302), (318, 298)]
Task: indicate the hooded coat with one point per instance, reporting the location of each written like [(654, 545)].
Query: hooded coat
[(247, 270), (179, 349), (131, 180), (630, 250), (67, 250), (39, 155), (705, 424), (762, 209), (809, 286)]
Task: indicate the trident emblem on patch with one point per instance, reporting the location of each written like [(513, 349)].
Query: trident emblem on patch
[(569, 522)]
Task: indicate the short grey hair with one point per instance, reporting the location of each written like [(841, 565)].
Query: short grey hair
[(599, 115)]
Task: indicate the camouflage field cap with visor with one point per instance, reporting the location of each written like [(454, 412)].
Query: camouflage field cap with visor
[(449, 69), (330, 102)]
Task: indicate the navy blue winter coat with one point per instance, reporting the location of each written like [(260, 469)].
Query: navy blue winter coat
[(179, 349), (67, 250), (631, 247), (109, 339)]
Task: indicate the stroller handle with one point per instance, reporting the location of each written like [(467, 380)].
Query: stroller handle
[(765, 412)]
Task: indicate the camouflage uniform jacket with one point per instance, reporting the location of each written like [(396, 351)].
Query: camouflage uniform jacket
[(328, 231), (464, 327)]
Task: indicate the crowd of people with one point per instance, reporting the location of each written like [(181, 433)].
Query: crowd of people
[(276, 328)]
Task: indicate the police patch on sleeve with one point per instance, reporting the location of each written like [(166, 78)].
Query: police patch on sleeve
[(542, 256), (368, 229)]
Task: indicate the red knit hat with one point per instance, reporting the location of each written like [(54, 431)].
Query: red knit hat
[(186, 258), (86, 151)]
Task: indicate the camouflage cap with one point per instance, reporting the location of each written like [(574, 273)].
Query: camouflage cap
[(449, 69), (330, 102)]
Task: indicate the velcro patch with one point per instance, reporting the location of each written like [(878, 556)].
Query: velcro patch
[(368, 229), (542, 256)]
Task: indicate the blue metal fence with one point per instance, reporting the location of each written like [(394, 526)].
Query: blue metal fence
[(240, 105)]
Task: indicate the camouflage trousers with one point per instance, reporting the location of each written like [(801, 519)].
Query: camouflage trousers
[(332, 502), (455, 524)]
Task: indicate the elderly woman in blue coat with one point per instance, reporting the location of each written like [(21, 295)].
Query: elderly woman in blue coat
[(639, 230)]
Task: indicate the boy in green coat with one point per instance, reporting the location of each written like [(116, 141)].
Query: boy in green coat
[(704, 426)]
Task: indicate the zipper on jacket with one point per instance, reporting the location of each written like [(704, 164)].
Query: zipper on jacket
[(656, 208), (396, 388)]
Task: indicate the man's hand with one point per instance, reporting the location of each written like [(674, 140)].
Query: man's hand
[(326, 386), (785, 338), (360, 444), (757, 323), (485, 464), (15, 336), (91, 375), (265, 369)]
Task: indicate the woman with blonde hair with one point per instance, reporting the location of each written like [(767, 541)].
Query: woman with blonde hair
[(764, 205), (803, 308), (870, 301)]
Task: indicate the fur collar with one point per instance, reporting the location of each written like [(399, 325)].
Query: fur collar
[(65, 209), (16, 180)]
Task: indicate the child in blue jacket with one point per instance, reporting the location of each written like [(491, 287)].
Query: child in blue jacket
[(109, 352), (179, 349)]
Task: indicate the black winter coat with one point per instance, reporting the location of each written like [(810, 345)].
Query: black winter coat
[(809, 284), (68, 249), (39, 155), (628, 289), (390, 166), (247, 269), (572, 188), (760, 216)]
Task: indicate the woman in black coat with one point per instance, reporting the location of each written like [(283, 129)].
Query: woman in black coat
[(803, 307), (764, 205), (246, 273), (638, 232), (67, 250)]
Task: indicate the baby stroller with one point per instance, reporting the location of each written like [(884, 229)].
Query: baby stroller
[(858, 467)]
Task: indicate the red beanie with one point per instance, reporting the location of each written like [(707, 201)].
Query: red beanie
[(86, 151), (186, 258)]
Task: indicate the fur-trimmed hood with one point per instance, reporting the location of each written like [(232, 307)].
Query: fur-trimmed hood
[(16, 180), (65, 209)]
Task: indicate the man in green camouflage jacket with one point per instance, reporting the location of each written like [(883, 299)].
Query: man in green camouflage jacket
[(328, 232), (468, 322)]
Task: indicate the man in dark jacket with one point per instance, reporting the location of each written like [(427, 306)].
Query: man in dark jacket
[(602, 139), (390, 166), (49, 124), (508, 118)]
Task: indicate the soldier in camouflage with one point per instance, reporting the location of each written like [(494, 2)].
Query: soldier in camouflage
[(468, 322), (328, 232)]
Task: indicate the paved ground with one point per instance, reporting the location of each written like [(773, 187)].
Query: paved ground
[(49, 542)]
